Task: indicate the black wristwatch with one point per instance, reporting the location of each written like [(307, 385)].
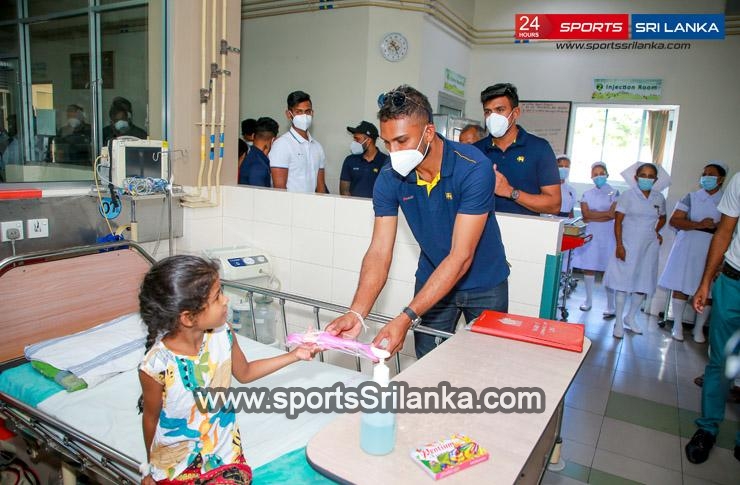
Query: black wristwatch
[(514, 194), (415, 319)]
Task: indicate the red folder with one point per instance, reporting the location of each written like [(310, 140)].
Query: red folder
[(561, 335)]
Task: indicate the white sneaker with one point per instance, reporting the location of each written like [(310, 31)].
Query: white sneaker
[(585, 307), (632, 326)]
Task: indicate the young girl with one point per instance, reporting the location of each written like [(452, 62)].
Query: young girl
[(633, 270), (695, 217), (190, 346), (597, 206)]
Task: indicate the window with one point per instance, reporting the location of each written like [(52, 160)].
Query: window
[(69, 71), (620, 136)]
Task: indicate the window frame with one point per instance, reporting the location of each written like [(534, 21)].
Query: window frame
[(614, 174), (94, 11)]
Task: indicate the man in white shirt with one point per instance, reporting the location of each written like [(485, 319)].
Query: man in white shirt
[(724, 323), (296, 159)]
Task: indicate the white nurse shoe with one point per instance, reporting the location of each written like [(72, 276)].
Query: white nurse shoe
[(632, 326)]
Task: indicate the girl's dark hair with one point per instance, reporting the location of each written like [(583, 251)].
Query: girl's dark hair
[(170, 287), (643, 165)]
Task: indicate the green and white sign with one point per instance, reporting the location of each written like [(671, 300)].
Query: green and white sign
[(454, 82), (627, 89)]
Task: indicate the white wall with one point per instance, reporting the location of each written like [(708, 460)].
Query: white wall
[(316, 244), (321, 53), (450, 52)]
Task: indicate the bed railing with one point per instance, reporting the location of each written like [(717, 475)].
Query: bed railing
[(317, 306), (50, 433)]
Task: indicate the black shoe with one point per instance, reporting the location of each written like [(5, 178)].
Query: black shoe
[(737, 452), (697, 450)]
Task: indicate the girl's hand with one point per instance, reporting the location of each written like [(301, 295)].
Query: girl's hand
[(306, 351), (148, 480), (621, 253)]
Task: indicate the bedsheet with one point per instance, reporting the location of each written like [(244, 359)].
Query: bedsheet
[(108, 412)]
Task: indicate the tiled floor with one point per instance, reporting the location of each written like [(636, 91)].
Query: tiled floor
[(631, 408)]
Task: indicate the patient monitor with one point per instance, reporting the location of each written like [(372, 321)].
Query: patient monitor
[(131, 157)]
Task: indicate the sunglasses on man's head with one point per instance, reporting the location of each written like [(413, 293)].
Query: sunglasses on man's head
[(395, 98)]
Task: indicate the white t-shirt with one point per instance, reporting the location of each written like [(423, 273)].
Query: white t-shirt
[(730, 206), (303, 159)]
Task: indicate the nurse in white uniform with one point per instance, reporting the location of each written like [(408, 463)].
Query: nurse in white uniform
[(597, 206), (695, 217), (633, 270)]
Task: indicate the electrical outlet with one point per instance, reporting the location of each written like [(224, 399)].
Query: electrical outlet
[(37, 228), (7, 229)]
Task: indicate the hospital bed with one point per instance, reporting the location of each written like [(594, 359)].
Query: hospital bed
[(97, 430)]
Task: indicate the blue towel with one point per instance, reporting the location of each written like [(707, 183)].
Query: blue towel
[(27, 385), (291, 467)]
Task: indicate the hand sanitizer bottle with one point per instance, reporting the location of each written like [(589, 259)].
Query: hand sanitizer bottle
[(378, 430)]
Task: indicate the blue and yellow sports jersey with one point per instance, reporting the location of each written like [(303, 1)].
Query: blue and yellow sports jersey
[(465, 186)]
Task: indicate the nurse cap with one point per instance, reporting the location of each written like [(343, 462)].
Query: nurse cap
[(719, 163), (598, 164)]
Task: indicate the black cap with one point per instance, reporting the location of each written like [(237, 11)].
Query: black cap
[(364, 128)]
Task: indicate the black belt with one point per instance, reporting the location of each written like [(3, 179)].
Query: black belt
[(730, 272), (708, 231)]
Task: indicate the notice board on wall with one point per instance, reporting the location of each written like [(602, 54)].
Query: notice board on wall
[(547, 119)]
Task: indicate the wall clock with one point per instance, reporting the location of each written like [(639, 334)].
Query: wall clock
[(394, 47)]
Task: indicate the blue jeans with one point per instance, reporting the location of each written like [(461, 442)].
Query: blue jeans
[(446, 313), (724, 321)]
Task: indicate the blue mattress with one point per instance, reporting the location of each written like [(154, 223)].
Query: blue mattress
[(27, 385), (291, 467)]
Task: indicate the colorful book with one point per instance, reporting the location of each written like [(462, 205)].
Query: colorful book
[(561, 335), (446, 457)]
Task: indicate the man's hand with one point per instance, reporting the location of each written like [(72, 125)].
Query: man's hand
[(394, 334), (502, 188), (621, 253), (148, 480), (346, 326), (700, 298)]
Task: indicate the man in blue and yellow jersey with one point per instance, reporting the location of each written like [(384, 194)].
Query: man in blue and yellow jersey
[(445, 190), (527, 180)]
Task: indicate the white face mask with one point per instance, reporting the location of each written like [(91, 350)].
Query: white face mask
[(497, 124), (121, 125), (302, 122), (404, 161), (356, 147), (73, 122)]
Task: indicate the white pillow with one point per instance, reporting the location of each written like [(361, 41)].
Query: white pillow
[(98, 353)]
